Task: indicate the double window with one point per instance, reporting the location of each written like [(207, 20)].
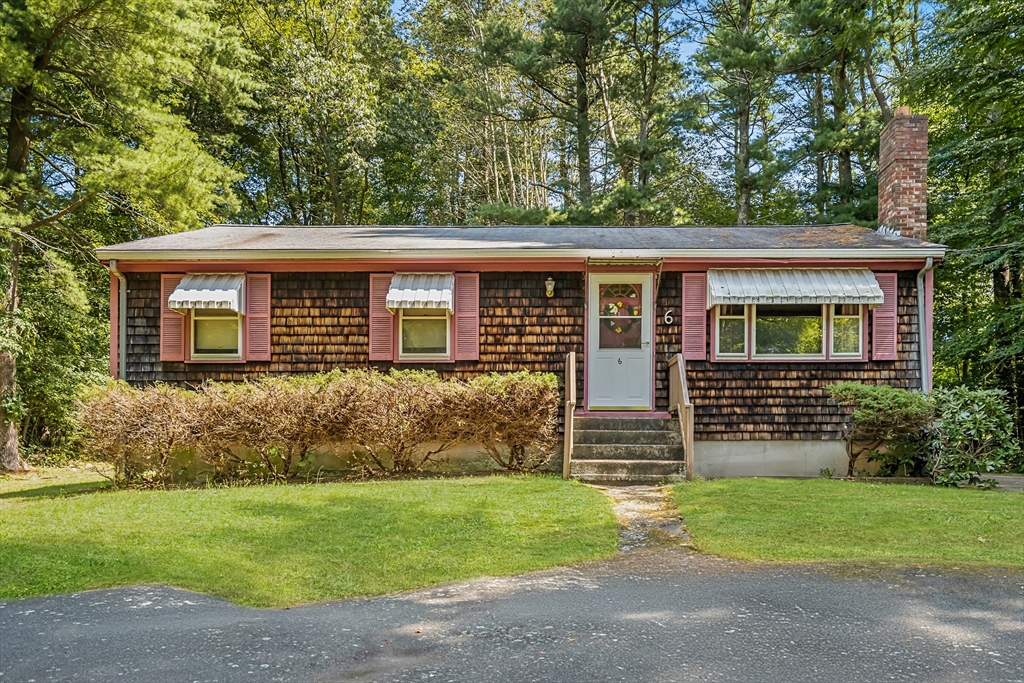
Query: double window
[(799, 331)]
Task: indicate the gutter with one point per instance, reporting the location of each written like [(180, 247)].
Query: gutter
[(644, 256), (122, 320), (922, 341)]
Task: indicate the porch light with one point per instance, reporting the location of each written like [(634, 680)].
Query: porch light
[(549, 287)]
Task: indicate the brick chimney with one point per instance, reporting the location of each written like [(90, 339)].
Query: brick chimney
[(903, 175)]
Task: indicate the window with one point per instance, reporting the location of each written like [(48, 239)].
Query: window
[(423, 333), (846, 330), (732, 331), (789, 331), (216, 334)]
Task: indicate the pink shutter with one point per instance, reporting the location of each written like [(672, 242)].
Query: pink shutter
[(695, 318), (382, 322), (257, 316), (883, 320), (172, 323), (467, 316)]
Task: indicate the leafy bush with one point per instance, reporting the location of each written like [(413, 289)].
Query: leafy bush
[(972, 435), (404, 420), (889, 417)]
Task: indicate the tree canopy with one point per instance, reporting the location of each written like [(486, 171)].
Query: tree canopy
[(123, 119)]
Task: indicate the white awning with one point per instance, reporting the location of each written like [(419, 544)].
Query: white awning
[(793, 286), (209, 290), (421, 290)]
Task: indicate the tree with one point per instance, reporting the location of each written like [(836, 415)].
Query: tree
[(92, 93), (970, 82), (739, 61)]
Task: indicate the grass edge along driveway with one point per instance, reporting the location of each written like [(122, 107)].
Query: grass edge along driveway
[(284, 545), (819, 520)]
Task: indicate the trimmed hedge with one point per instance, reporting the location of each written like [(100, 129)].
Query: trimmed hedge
[(402, 422)]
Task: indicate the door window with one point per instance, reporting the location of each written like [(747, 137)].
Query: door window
[(620, 313)]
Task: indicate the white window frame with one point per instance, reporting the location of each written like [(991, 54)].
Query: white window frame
[(832, 336), (746, 331), (796, 356), (402, 315), (197, 313)]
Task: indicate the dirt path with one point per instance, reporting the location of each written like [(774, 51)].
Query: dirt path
[(647, 515)]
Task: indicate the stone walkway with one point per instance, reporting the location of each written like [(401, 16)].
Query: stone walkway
[(647, 515)]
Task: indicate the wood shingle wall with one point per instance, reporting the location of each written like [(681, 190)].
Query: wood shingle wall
[(741, 401), (319, 322)]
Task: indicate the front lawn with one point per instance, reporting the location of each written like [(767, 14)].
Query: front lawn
[(821, 520), (281, 545)]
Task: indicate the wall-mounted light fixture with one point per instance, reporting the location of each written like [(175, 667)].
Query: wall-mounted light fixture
[(549, 287)]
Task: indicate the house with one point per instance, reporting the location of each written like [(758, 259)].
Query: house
[(765, 318)]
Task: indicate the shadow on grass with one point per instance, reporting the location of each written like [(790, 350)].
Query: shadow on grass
[(254, 547), (57, 490)]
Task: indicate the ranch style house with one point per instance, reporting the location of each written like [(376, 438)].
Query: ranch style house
[(739, 330)]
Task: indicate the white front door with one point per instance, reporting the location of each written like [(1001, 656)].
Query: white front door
[(620, 316)]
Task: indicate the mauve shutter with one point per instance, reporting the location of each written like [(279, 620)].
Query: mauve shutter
[(695, 318), (467, 316), (883, 320), (382, 322), (172, 323), (257, 316)]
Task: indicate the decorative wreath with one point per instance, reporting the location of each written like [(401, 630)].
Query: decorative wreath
[(620, 308)]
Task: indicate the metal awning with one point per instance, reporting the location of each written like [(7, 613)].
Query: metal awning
[(793, 286), (209, 290), (421, 290)]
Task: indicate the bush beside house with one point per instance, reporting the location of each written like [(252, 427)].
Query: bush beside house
[(954, 435), (275, 428)]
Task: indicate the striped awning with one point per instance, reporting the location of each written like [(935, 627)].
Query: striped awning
[(209, 290), (421, 290), (793, 286)]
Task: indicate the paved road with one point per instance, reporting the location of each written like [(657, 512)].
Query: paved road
[(652, 615)]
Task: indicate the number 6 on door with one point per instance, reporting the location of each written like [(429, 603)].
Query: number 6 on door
[(668, 317)]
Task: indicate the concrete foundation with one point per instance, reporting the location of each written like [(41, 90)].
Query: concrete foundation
[(777, 458)]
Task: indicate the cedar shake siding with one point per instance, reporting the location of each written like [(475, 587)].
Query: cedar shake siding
[(319, 322), (756, 401)]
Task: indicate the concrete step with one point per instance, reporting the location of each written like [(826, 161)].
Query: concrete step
[(645, 424), (632, 436), (627, 469), (664, 452), (629, 479)]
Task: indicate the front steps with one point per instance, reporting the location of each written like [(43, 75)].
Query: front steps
[(636, 450)]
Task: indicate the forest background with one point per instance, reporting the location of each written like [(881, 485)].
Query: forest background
[(127, 118)]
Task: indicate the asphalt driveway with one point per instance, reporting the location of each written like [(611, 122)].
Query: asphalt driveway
[(653, 615)]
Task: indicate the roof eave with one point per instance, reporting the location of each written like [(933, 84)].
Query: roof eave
[(419, 254)]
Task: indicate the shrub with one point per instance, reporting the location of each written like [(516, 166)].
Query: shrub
[(515, 417), (972, 436), (886, 416), (401, 413), (139, 431), (404, 420)]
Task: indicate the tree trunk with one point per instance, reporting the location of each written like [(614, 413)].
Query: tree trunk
[(840, 96), (583, 131), (19, 137)]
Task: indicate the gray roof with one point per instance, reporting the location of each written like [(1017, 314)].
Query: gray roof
[(269, 242)]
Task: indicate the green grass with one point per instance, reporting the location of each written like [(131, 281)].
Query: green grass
[(820, 520), (282, 545)]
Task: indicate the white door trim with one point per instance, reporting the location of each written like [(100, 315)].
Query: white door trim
[(639, 373)]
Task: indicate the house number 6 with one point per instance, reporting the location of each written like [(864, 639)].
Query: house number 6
[(620, 361), (668, 317)]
